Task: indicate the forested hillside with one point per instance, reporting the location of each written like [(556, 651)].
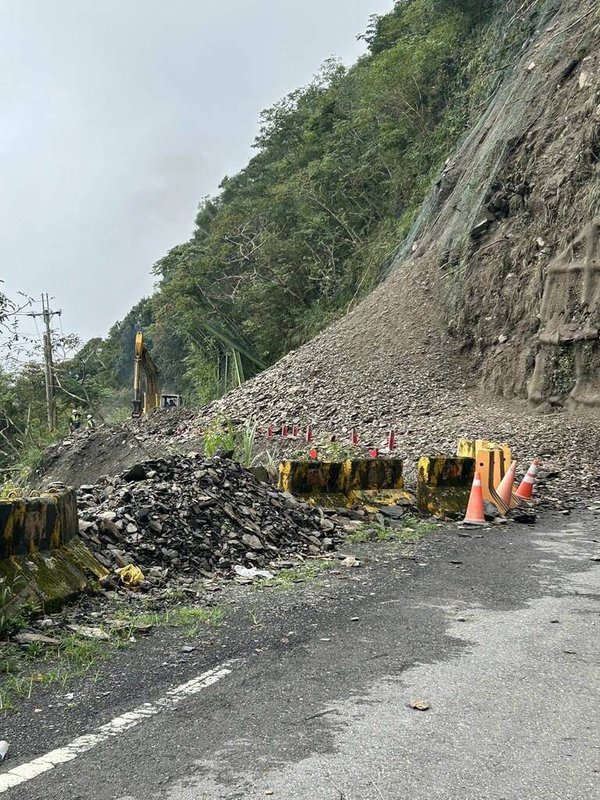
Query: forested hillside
[(313, 221)]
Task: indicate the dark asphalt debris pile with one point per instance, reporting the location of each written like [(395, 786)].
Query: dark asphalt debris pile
[(187, 516)]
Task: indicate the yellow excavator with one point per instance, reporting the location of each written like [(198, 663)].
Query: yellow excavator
[(146, 392)]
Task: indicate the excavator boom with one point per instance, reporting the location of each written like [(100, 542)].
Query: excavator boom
[(146, 392)]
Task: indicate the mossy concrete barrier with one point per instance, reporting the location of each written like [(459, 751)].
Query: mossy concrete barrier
[(31, 524), (42, 560), (345, 483), (444, 484)]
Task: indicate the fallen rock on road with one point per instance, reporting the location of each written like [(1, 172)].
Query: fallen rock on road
[(188, 516)]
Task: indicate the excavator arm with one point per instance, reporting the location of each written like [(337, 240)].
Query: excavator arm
[(146, 392)]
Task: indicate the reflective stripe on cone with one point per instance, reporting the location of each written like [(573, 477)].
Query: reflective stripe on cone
[(525, 490)]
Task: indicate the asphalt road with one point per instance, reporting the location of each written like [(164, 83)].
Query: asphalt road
[(498, 634)]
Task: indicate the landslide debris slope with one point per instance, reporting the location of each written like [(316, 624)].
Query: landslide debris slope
[(488, 323)]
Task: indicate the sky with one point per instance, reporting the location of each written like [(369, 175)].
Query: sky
[(119, 116)]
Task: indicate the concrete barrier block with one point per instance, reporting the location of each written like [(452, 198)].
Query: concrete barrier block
[(339, 483), (311, 477), (444, 484), (47, 579), (42, 560), (36, 524), (369, 474)]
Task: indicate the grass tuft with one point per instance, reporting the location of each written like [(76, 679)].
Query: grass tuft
[(287, 578), (412, 530), (191, 620)]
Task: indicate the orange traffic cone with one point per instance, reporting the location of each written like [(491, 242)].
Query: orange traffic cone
[(505, 487), (525, 490), (475, 514)]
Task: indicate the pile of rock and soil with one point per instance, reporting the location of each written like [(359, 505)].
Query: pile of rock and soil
[(185, 516)]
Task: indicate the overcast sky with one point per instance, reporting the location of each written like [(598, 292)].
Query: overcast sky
[(118, 116)]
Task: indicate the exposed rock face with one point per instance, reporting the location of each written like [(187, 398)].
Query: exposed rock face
[(568, 361), (530, 171)]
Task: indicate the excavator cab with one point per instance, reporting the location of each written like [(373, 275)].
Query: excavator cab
[(171, 400)]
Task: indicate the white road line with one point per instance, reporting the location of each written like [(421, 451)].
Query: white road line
[(25, 772)]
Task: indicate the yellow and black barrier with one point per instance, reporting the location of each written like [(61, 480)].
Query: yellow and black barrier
[(469, 448), (443, 485), (493, 461), (32, 524), (351, 482), (491, 466), (42, 559)]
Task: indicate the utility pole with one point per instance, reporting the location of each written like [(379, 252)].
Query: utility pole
[(47, 315)]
